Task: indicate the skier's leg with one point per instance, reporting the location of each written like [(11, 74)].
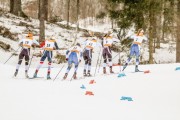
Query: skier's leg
[(105, 60), (26, 63), (86, 62), (89, 62), (110, 60), (49, 64), (21, 56), (132, 52), (70, 61), (41, 62), (137, 59)]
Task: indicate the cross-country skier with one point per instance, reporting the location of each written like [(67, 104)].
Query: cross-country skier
[(107, 43), (25, 52), (136, 48), (49, 46), (87, 54), (73, 55)]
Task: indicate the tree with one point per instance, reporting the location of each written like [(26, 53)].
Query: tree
[(42, 16), (77, 14), (68, 12), (15, 8), (178, 34), (44, 10)]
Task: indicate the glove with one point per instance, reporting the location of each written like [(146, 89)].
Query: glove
[(66, 59)]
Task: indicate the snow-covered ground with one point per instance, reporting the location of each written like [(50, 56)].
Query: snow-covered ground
[(155, 95)]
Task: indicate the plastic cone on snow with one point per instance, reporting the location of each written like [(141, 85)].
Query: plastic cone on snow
[(178, 68), (121, 75), (92, 82), (126, 98), (146, 71), (83, 87), (89, 93)]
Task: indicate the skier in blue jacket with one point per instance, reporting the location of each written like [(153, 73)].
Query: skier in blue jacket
[(136, 48), (73, 55)]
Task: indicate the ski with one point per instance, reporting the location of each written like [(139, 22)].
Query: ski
[(35, 77), (144, 71)]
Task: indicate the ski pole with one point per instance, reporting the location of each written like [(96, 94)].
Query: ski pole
[(12, 55), (59, 72), (31, 59), (100, 63), (97, 62)]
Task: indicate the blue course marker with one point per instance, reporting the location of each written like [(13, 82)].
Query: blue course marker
[(83, 87), (121, 75), (126, 98), (178, 68)]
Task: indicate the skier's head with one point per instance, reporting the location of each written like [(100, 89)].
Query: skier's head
[(91, 33), (108, 33), (29, 36), (78, 44), (140, 32), (94, 39), (52, 38)]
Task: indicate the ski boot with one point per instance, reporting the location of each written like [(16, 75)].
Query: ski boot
[(89, 74), (35, 75), (16, 72), (48, 76), (136, 69), (84, 73), (104, 70), (124, 66), (26, 74), (65, 76), (111, 70), (74, 75)]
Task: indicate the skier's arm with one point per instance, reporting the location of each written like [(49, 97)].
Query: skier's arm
[(56, 46), (20, 43), (81, 54), (145, 40), (67, 54), (36, 43)]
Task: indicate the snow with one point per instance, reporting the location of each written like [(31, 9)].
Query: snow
[(155, 95)]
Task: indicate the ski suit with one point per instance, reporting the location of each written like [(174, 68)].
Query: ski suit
[(89, 45), (136, 47), (73, 55), (107, 43), (25, 52), (49, 46)]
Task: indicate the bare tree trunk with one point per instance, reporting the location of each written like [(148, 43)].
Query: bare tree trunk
[(11, 6), (46, 10), (15, 8), (42, 19), (178, 34), (77, 21), (39, 9), (151, 36), (68, 12)]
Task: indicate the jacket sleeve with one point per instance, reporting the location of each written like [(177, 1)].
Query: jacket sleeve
[(34, 41), (67, 53), (56, 46)]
